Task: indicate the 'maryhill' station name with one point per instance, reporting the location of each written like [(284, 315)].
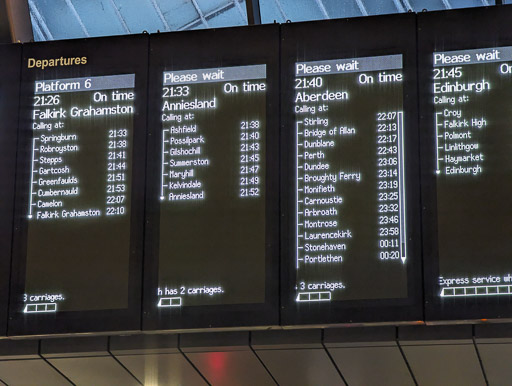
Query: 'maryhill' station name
[(43, 63)]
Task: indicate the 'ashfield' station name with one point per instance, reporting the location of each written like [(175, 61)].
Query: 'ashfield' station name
[(184, 143)]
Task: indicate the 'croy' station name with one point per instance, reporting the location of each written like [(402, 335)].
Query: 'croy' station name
[(43, 63)]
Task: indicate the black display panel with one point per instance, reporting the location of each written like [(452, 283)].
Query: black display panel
[(80, 187), (213, 217), (10, 59), (351, 236), (466, 75)]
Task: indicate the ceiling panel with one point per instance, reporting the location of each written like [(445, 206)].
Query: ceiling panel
[(301, 367), (494, 342), (497, 362), (231, 368), (86, 361), (445, 365), (33, 372), (296, 357), (368, 356), (154, 359), (442, 355), (225, 359), (362, 366), (162, 369), (97, 371)]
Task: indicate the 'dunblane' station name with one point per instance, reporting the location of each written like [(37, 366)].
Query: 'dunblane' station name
[(56, 188), (322, 88)]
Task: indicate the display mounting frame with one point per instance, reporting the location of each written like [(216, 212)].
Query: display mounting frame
[(10, 65), (348, 39), (464, 29), (105, 56), (226, 47)]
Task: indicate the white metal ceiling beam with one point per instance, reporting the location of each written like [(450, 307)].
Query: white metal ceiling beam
[(208, 16), (77, 16), (281, 10), (160, 14), (321, 5), (447, 4), (362, 7), (37, 15), (240, 9), (200, 13), (398, 5), (120, 17)]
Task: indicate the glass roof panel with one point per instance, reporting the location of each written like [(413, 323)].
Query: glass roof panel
[(67, 19)]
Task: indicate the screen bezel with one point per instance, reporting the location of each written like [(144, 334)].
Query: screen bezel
[(106, 56), (483, 27), (218, 48), (350, 38), (10, 65)]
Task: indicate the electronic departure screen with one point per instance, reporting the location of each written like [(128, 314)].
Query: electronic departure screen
[(341, 162), (10, 59), (351, 134), (212, 237), (79, 164), (203, 166), (468, 139)]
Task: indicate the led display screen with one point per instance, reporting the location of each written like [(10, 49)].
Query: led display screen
[(10, 58), (350, 149), (212, 236), (351, 131), (209, 192), (472, 154), (468, 162), (79, 161)]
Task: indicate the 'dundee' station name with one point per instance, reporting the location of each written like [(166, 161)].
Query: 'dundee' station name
[(327, 176)]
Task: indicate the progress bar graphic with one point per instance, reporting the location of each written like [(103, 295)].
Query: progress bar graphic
[(320, 296), (485, 290), (169, 302), (39, 308)]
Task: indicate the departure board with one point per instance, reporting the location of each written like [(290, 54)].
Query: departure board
[(10, 59), (78, 159), (210, 159), (467, 138), (212, 171), (350, 132), (350, 149), (473, 155)]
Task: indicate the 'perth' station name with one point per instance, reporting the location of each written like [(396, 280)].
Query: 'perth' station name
[(57, 62)]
